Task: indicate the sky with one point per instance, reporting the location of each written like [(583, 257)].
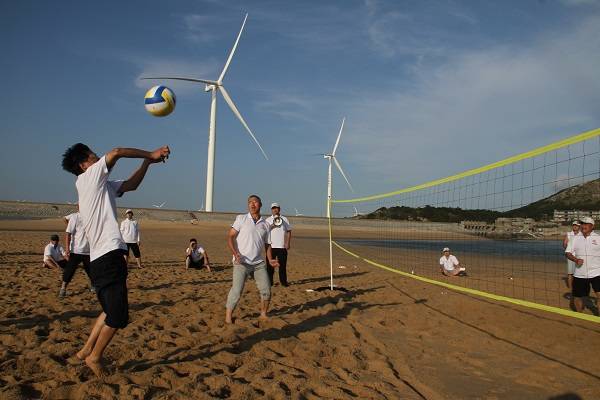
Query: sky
[(428, 89)]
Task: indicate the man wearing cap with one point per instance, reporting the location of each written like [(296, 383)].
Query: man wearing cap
[(584, 251), (449, 264), (280, 237), (570, 264), (247, 239), (54, 254), (131, 236)]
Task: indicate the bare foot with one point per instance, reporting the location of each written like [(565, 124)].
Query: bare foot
[(263, 317), (96, 367), (82, 354), (229, 321)]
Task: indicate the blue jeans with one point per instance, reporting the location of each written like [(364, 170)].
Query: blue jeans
[(243, 271)]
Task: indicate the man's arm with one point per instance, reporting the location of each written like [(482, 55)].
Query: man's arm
[(576, 260), (288, 239), (206, 260), (565, 242), (272, 262), (155, 156), (231, 236), (135, 179), (68, 244)]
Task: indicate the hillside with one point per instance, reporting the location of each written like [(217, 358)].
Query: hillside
[(585, 196)]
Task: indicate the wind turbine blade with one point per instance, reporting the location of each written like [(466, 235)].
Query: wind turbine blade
[(337, 142), (179, 78), (239, 116), (232, 50), (337, 164)]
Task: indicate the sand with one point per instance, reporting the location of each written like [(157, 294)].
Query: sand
[(387, 337)]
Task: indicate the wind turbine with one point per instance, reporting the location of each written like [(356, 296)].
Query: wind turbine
[(298, 214), (159, 205), (331, 157), (214, 87)]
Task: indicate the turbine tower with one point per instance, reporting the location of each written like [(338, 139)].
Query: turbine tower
[(331, 157), (214, 87)]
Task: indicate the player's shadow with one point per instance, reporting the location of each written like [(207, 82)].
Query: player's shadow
[(270, 334), (326, 278), (179, 284)]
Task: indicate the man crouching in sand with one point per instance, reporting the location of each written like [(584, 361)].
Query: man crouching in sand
[(98, 210), (247, 239)]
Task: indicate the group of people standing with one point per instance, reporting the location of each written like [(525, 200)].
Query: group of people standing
[(258, 245)]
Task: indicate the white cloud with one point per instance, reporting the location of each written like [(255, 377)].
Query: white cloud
[(479, 107)]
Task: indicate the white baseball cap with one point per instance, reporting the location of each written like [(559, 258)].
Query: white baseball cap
[(586, 220), (128, 211), (576, 223), (273, 205), (446, 249)]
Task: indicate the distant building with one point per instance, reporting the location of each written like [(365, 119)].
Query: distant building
[(563, 216)]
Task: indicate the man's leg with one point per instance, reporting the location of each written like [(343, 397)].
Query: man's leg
[(68, 269), (580, 289), (188, 262), (282, 257), (237, 286), (271, 273), (137, 254), (89, 345), (261, 277), (94, 359)]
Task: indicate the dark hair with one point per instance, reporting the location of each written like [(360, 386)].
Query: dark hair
[(54, 237), (75, 155), (193, 240), (256, 197)]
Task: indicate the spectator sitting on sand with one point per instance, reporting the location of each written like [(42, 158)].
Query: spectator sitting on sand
[(196, 256), (54, 254), (449, 264)]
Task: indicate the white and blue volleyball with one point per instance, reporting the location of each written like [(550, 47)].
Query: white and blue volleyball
[(159, 101)]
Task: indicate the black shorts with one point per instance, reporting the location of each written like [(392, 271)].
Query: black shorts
[(62, 263), (135, 248), (581, 286), (109, 276)]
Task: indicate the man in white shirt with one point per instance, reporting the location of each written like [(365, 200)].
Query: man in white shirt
[(78, 251), (280, 238), (584, 251), (54, 254), (97, 208), (570, 264), (196, 256), (449, 264), (247, 239), (130, 232)]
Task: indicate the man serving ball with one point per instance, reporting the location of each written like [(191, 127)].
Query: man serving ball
[(98, 210)]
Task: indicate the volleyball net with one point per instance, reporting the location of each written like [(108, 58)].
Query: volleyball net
[(505, 222)]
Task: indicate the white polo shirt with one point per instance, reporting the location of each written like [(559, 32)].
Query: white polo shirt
[(195, 255), (277, 234), (98, 209), (79, 242), (251, 238), (588, 249), (57, 253), (449, 263), (130, 231)]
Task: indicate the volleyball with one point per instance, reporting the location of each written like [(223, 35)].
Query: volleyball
[(159, 101)]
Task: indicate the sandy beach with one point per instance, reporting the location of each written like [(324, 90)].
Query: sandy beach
[(387, 337)]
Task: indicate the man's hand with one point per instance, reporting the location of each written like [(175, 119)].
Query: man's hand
[(579, 261), (237, 257), (287, 246), (274, 262), (160, 154)]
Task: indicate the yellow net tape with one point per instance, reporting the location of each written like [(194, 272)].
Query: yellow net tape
[(536, 152), (523, 303)]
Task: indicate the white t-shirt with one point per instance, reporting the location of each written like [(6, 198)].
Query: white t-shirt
[(277, 234), (195, 255), (79, 242), (68, 217), (251, 238), (449, 263), (56, 253), (588, 249), (98, 209), (130, 231)]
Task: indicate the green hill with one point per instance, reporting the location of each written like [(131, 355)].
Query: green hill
[(585, 196)]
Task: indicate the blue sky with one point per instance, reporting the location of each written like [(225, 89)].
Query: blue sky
[(429, 88)]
